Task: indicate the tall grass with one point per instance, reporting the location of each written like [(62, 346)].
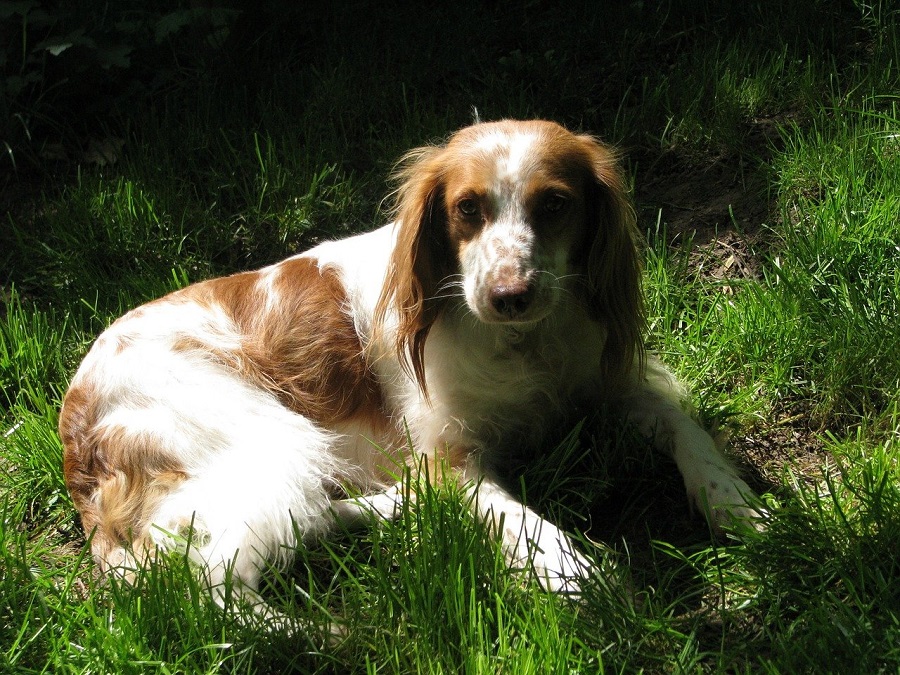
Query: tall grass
[(290, 141)]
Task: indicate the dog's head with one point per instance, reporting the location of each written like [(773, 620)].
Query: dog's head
[(517, 219)]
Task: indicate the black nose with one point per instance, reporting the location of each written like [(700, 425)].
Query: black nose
[(512, 299)]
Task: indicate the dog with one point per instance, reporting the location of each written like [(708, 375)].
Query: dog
[(250, 411)]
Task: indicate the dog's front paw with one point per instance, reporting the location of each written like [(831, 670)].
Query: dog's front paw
[(539, 547), (559, 567), (727, 501)]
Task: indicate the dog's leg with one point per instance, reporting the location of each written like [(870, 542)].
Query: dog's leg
[(712, 482), (529, 541)]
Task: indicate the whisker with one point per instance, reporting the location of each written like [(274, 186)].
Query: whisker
[(449, 287)]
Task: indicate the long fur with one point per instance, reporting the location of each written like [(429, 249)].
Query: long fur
[(506, 291)]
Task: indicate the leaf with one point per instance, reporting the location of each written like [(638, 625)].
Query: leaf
[(58, 49), (57, 45)]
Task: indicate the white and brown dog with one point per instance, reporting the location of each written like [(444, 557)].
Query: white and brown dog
[(506, 292)]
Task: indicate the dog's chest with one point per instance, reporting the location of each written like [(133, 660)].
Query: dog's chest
[(513, 381)]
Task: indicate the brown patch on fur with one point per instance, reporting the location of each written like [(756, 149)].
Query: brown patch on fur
[(84, 465), (239, 295), (302, 345)]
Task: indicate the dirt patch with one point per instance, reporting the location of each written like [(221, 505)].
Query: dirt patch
[(727, 256), (785, 442), (700, 201)]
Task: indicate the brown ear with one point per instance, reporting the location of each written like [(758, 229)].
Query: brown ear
[(422, 258), (613, 266)]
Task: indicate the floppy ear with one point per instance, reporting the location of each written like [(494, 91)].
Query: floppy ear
[(422, 258), (612, 265)]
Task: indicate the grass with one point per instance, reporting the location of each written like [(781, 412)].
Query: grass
[(782, 315)]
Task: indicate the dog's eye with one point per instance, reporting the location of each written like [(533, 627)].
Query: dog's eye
[(467, 207), (554, 203)]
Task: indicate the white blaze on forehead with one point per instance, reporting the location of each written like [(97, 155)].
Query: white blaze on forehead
[(510, 152)]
